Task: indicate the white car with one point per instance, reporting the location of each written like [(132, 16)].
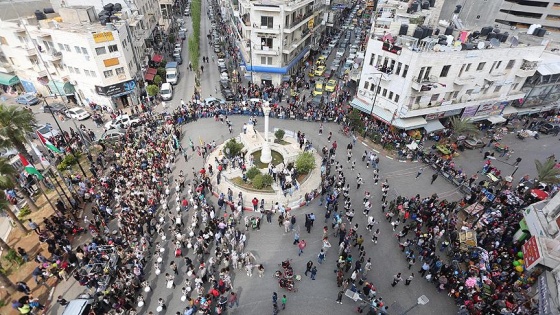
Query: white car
[(340, 52), (8, 153), (221, 63), (47, 131), (78, 113), (123, 121), (332, 44)]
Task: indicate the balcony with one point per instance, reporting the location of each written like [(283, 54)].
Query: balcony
[(264, 50), (298, 22), (463, 80), (424, 84), (525, 72), (289, 47), (29, 51), (53, 55)]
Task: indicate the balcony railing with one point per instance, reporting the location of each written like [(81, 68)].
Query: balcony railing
[(423, 84), (299, 19)]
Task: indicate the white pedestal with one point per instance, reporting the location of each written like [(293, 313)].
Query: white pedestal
[(266, 153)]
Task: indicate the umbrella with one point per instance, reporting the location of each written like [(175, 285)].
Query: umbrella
[(471, 282), (539, 194)]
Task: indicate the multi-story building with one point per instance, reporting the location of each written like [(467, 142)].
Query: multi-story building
[(274, 36), (73, 55), (410, 77)]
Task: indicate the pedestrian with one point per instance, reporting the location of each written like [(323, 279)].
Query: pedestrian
[(274, 298), (313, 272), (284, 300), (34, 226), (396, 279), (339, 298), (409, 279), (301, 247), (296, 238), (23, 287), (308, 267), (420, 172), (62, 301), (359, 181), (321, 256), (434, 177), (233, 300)]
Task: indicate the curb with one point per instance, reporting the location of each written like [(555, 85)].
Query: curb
[(250, 209)]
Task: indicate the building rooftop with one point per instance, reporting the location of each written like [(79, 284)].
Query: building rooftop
[(10, 10)]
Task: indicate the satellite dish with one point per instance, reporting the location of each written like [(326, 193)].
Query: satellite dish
[(494, 43), (480, 45), (514, 41), (437, 47)]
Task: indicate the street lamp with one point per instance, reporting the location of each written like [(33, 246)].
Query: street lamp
[(63, 138), (422, 300)]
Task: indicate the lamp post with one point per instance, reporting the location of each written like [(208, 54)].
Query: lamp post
[(422, 300), (375, 89), (64, 139)]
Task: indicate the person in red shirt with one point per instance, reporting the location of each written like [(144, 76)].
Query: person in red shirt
[(255, 203)]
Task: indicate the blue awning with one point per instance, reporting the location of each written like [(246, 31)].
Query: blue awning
[(8, 79), (378, 112), (61, 88), (280, 70)]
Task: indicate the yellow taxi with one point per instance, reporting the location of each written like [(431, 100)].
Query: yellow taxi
[(320, 70), (318, 88), (331, 86), (321, 61)]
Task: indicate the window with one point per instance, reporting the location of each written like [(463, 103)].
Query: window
[(424, 74), (462, 69), (77, 49), (434, 98), (493, 66), (60, 47), (399, 65), (455, 94), (468, 67), (372, 88), (266, 42), (100, 51), (267, 21), (445, 71), (86, 72), (498, 64), (113, 48), (378, 89), (510, 64), (497, 89), (111, 62), (366, 85), (390, 95), (514, 87), (71, 69), (405, 71), (93, 74), (77, 70), (372, 59), (480, 66), (84, 51), (66, 47), (108, 73), (119, 70), (396, 98), (384, 92)]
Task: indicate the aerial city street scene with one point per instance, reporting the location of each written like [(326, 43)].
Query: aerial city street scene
[(187, 157)]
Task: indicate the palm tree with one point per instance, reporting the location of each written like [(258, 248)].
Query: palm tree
[(462, 126), (15, 124), (7, 180), (6, 283), (546, 172)]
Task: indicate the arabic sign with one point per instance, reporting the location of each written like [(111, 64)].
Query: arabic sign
[(491, 109), (544, 293), (116, 89), (531, 253), (103, 37), (469, 111)]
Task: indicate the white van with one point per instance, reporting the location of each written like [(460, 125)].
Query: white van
[(172, 75), (80, 306), (166, 91)]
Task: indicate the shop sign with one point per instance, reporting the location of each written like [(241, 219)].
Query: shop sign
[(531, 253), (116, 89), (103, 37), (544, 293), (491, 109), (435, 116), (469, 111)]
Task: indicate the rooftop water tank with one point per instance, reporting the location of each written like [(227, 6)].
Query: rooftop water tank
[(503, 37), (449, 30), (436, 31), (415, 6), (485, 30), (432, 3), (108, 7), (425, 5), (418, 32), (40, 15), (491, 35), (48, 10), (532, 28), (403, 29), (540, 32), (117, 7)]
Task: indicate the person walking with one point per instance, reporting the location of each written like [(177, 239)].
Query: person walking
[(409, 279), (434, 177), (374, 236), (301, 247), (308, 267), (233, 300), (321, 256), (420, 171), (313, 272), (339, 298), (274, 298), (284, 300), (396, 279), (296, 238), (34, 226), (359, 181)]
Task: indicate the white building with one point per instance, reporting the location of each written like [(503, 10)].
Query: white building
[(73, 55), (275, 36), (411, 78)]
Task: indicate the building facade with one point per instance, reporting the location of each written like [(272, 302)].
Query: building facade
[(275, 36), (82, 61), (413, 79)]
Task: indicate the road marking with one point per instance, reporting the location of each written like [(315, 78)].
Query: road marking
[(365, 144), (375, 150), (390, 158)]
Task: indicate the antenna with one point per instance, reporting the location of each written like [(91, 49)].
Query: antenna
[(480, 45), (494, 43)]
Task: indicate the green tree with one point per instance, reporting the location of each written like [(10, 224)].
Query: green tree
[(152, 90), (7, 181), (279, 134), (262, 181), (157, 80), (355, 119), (233, 148), (160, 72), (305, 163), (252, 172), (15, 124), (171, 38), (461, 126), (546, 172)]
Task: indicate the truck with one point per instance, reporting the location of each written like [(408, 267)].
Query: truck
[(171, 73)]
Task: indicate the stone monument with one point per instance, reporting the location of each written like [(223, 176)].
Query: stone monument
[(266, 153)]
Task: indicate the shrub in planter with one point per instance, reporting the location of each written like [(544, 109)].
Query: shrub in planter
[(252, 172)]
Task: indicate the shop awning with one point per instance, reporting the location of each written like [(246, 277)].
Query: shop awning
[(526, 111), (409, 123), (433, 125), (149, 76), (61, 88), (157, 58), (509, 110), (496, 119), (8, 79), (152, 71)]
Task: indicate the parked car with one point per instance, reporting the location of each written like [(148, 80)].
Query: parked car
[(166, 91), (8, 153), (123, 121), (319, 71), (549, 128), (27, 99), (187, 12), (113, 135), (473, 143), (318, 88), (212, 101), (332, 44), (340, 52), (47, 131), (54, 107), (77, 113), (331, 86), (228, 95)]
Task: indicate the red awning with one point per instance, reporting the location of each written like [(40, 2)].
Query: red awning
[(149, 76), (152, 71), (157, 58)]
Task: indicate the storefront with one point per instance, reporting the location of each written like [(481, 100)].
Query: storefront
[(64, 89), (122, 95), (9, 83)]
